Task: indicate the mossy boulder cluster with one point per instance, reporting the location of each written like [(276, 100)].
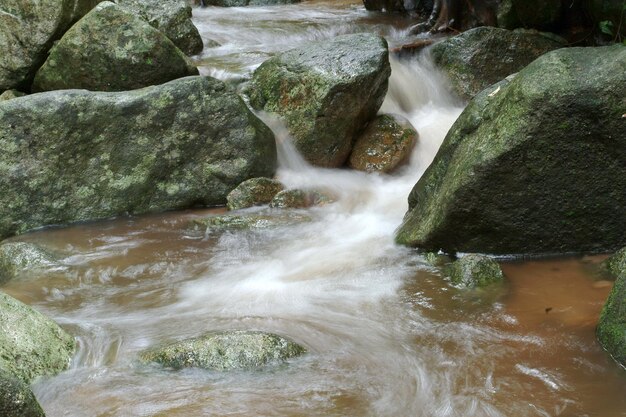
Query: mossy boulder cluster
[(533, 164), (611, 329), (225, 350), (480, 57), (326, 92), (77, 155)]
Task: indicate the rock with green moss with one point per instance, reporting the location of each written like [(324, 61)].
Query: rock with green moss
[(616, 264), (474, 271), (16, 398), (172, 17), (532, 165), (11, 94), (17, 258), (386, 144), (241, 3), (28, 30), (31, 344), (77, 155), (225, 350), (326, 92), (253, 192), (611, 330), (249, 221), (297, 198), (111, 49), (482, 56)]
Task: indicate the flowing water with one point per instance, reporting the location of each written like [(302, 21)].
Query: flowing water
[(386, 334)]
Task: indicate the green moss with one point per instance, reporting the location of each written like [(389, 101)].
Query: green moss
[(611, 331), (473, 271)]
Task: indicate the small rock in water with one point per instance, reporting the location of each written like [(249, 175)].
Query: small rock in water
[(253, 192), (225, 350), (19, 257), (297, 198), (259, 220), (473, 271)]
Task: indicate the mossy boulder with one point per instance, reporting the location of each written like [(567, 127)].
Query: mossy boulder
[(31, 344), (77, 155), (297, 198), (249, 221), (616, 264), (111, 49), (326, 92), (241, 3), (17, 258), (225, 350), (11, 94), (28, 30), (532, 165), (385, 144), (16, 398), (474, 271), (480, 57), (172, 17), (611, 330), (253, 192)]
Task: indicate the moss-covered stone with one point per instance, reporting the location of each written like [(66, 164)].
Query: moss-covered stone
[(16, 398), (19, 257), (27, 31), (326, 92), (611, 331), (474, 271), (241, 3), (31, 344), (482, 56), (11, 94), (533, 164), (253, 192), (385, 144), (261, 220), (172, 17), (616, 264), (77, 155), (111, 49), (297, 198), (225, 350)]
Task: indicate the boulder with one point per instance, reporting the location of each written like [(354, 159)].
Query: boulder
[(225, 350), (172, 17), (241, 3), (78, 155), (111, 49), (480, 57), (249, 221), (16, 398), (28, 30), (611, 330), (534, 164), (11, 94), (386, 143), (296, 198), (31, 344), (326, 92), (474, 271), (616, 264), (17, 258), (253, 192)]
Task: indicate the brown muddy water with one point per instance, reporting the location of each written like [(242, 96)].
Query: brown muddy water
[(387, 335)]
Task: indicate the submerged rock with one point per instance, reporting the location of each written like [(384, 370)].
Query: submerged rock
[(31, 344), (616, 264), (20, 257), (296, 198), (386, 144), (474, 271), (172, 17), (611, 331), (16, 398), (253, 192), (11, 94), (480, 57), (261, 220), (27, 31), (240, 3), (77, 155), (326, 92), (225, 350), (532, 165), (111, 49)]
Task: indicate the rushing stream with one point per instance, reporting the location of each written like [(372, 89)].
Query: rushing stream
[(386, 334)]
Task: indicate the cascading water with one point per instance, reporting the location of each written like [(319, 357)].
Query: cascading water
[(386, 335)]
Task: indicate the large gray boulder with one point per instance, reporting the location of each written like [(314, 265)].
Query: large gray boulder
[(326, 92), (31, 344), (78, 155), (532, 165), (111, 49), (16, 398), (611, 331), (27, 31), (485, 55), (172, 17), (225, 350)]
